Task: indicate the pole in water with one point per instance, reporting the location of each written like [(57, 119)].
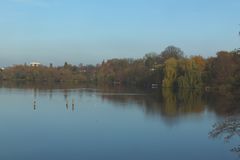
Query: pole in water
[(67, 104), (34, 105), (73, 104)]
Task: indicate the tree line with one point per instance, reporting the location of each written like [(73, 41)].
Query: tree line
[(168, 69)]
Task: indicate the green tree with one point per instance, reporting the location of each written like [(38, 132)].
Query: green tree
[(170, 72), (189, 74)]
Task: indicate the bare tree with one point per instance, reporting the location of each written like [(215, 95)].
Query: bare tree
[(172, 52)]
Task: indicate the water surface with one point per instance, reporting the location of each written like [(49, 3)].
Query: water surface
[(90, 123)]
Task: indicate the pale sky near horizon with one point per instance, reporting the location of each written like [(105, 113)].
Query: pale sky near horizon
[(89, 31)]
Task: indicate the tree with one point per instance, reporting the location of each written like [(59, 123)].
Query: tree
[(221, 70), (172, 52), (151, 59), (189, 74), (170, 73)]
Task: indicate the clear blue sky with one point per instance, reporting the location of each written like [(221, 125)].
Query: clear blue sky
[(88, 31)]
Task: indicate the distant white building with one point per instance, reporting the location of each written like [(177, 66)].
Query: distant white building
[(35, 64)]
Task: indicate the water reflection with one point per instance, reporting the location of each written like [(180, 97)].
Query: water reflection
[(142, 112), (228, 129), (225, 104), (183, 101), (34, 98), (41, 85), (165, 102)]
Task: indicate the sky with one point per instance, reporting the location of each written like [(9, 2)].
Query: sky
[(90, 31)]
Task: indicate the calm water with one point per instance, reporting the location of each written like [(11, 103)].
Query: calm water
[(87, 124)]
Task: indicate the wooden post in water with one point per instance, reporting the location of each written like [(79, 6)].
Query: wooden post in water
[(73, 104), (34, 105), (67, 104)]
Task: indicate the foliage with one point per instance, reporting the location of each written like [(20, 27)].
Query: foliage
[(43, 73), (189, 74), (170, 72), (169, 69), (222, 71)]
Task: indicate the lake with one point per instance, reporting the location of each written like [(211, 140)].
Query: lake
[(91, 123)]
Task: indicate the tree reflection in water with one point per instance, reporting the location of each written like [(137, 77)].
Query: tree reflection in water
[(167, 104), (227, 129)]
